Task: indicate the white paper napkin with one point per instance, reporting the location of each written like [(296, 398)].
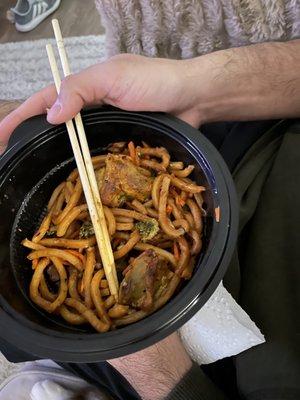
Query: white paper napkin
[(220, 329)]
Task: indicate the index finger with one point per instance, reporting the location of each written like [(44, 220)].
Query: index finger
[(35, 105)]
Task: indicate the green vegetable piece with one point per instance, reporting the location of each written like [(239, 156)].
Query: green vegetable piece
[(147, 229), (86, 230)]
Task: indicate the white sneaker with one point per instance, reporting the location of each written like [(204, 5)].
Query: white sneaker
[(30, 13)]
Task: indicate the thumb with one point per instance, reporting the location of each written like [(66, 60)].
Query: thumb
[(76, 91), (68, 103)]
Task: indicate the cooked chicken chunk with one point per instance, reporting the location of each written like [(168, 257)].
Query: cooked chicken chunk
[(145, 276), (123, 180)]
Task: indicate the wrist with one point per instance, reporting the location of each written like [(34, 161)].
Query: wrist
[(229, 85), (155, 371), (244, 83), (217, 85)]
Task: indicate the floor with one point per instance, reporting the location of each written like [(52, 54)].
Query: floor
[(76, 17)]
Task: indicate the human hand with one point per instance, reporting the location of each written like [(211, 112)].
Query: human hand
[(155, 371), (255, 82), (126, 81)]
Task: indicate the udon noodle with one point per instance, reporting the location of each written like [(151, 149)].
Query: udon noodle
[(154, 216)]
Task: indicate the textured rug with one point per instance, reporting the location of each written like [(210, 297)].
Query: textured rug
[(24, 66), (7, 368)]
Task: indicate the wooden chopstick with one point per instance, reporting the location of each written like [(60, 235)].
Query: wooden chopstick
[(84, 145), (91, 194), (85, 150)]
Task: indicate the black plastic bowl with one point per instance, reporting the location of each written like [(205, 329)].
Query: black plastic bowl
[(25, 187)]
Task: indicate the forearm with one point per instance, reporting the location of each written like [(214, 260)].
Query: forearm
[(255, 82)]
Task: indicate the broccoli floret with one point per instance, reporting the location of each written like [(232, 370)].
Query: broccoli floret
[(147, 229), (86, 230), (122, 198)]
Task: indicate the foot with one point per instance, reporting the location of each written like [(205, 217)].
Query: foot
[(30, 13)]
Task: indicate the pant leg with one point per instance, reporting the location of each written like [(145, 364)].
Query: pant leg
[(268, 263), (271, 279), (234, 141)]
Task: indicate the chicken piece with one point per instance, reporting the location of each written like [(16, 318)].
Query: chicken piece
[(123, 181), (100, 174), (147, 274)]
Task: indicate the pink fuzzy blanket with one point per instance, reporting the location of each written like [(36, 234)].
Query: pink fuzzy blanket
[(187, 28)]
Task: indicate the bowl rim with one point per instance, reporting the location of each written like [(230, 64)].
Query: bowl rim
[(158, 325)]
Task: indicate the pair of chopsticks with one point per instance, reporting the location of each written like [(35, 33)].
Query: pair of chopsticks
[(85, 168)]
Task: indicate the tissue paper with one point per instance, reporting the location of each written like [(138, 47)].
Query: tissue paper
[(220, 329)]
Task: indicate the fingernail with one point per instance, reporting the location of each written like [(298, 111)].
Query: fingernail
[(54, 111)]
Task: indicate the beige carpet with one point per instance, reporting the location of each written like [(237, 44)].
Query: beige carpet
[(24, 67), (7, 368)]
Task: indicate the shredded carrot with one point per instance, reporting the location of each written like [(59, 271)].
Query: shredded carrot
[(35, 263), (133, 153), (184, 195), (169, 209), (179, 201), (77, 254), (81, 286), (176, 251), (217, 214)]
